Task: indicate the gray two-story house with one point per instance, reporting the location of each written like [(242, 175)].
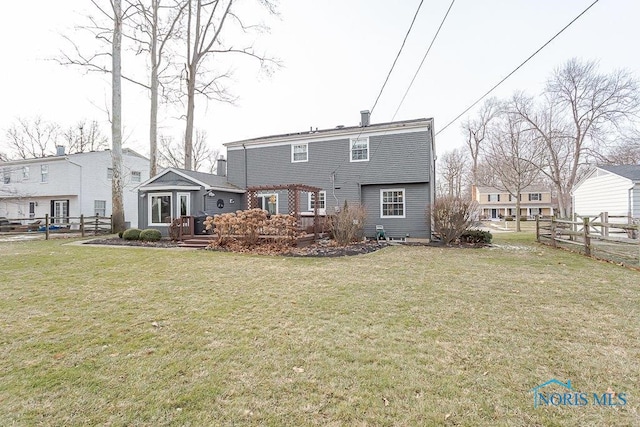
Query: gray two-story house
[(388, 168)]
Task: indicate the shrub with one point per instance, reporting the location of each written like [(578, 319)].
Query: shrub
[(247, 226), (476, 236), (120, 234), (451, 216), (150, 235), (131, 234), (348, 225)]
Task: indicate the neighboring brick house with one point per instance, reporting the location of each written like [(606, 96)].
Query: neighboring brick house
[(495, 204), (69, 185)]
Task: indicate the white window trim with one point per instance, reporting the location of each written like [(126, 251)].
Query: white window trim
[(179, 195), (404, 203), (306, 145), (323, 194), (149, 206), (136, 176), (25, 173), (96, 208), (352, 142), (44, 174), (263, 195)]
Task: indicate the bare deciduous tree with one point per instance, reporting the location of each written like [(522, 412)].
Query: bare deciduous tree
[(582, 109), (625, 152), (206, 20), (453, 169), (512, 157), (31, 138), (171, 153), (153, 27), (475, 131), (84, 137)]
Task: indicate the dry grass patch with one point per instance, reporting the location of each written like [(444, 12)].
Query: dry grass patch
[(403, 336)]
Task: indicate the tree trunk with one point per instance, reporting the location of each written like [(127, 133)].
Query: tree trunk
[(116, 121), (518, 211), (191, 104), (153, 119)]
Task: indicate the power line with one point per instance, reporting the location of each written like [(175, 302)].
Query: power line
[(423, 59), (397, 56), (517, 68)]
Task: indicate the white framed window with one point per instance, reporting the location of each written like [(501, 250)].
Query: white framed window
[(392, 203), (100, 207), (44, 173), (322, 199), (268, 202), (299, 153), (184, 204), (6, 176), (493, 197), (160, 209), (109, 173), (136, 176), (359, 149), (25, 173), (535, 197)]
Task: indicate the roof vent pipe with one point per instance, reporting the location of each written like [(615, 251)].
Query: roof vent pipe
[(365, 118)]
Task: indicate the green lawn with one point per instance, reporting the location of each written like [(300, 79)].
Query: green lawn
[(403, 336)]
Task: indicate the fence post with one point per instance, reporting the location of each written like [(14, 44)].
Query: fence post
[(587, 236), (553, 232), (96, 226), (46, 226), (605, 224), (538, 228), (82, 225), (111, 223)]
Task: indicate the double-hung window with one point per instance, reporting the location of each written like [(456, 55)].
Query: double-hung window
[(136, 176), (359, 149), (493, 197), (322, 198), (25, 173), (535, 197), (44, 173), (6, 176), (100, 207), (299, 153), (392, 203)]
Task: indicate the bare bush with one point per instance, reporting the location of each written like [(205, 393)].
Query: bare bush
[(451, 217), (247, 226), (347, 226)]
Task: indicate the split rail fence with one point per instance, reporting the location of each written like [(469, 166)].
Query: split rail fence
[(47, 225), (602, 236)]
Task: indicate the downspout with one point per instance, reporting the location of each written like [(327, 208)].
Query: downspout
[(246, 181)]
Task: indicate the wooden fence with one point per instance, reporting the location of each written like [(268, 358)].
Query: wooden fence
[(593, 235), (50, 225)]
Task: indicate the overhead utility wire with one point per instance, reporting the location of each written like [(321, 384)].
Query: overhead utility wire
[(518, 67), (389, 74), (397, 56), (423, 59)]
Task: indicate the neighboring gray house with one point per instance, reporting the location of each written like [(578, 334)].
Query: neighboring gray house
[(177, 192), (389, 168), (611, 189)]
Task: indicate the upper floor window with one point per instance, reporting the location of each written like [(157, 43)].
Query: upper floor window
[(392, 203), (136, 176), (359, 149), (513, 198), (25, 173), (6, 176), (299, 153), (493, 197), (322, 198), (44, 173), (109, 173), (535, 197)]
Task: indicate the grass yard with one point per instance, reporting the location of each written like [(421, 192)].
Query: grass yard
[(404, 336)]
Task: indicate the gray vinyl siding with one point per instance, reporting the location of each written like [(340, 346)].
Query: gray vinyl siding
[(211, 203), (417, 199), (393, 159)]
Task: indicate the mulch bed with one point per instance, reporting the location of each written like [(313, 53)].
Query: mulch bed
[(322, 248)]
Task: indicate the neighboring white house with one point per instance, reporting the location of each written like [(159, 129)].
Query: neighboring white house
[(611, 189), (68, 185)]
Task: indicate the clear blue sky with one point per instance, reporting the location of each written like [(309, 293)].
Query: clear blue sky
[(336, 54)]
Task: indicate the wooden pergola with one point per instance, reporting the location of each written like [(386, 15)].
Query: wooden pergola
[(293, 197)]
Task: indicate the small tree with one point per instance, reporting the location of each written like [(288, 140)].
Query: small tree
[(348, 225), (451, 217)]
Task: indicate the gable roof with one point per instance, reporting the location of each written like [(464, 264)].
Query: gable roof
[(207, 180), (631, 172), (338, 131)]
